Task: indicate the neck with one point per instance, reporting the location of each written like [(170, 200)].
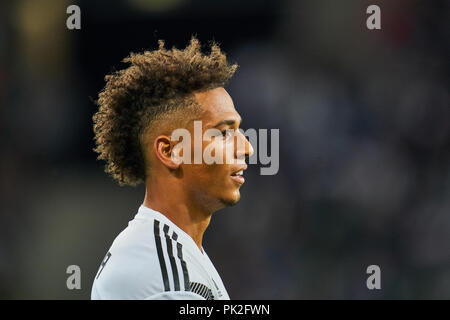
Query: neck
[(177, 206)]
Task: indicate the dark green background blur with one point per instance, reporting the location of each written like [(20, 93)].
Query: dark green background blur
[(364, 144)]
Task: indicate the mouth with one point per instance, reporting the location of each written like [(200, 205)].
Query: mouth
[(238, 177)]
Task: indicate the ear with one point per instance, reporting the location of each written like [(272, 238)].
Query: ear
[(163, 148)]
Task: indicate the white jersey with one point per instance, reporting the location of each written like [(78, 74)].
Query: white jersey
[(154, 259)]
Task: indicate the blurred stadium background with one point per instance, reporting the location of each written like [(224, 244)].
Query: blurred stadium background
[(364, 153)]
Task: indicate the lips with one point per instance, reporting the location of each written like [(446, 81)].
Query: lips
[(237, 175), (239, 170)]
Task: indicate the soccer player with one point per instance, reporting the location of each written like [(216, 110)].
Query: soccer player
[(159, 255)]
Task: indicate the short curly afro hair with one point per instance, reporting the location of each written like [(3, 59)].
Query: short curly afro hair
[(154, 84)]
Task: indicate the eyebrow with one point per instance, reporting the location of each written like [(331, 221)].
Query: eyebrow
[(229, 122)]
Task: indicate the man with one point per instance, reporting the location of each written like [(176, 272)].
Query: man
[(160, 254)]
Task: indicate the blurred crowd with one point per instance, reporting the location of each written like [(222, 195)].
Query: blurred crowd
[(363, 115)]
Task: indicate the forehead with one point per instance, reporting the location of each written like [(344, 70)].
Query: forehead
[(217, 105)]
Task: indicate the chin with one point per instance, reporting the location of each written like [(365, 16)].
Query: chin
[(231, 200)]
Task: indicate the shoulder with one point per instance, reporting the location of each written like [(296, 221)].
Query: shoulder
[(130, 267), (147, 260), (154, 259)]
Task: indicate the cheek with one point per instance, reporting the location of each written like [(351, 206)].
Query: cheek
[(214, 174), (206, 174), (218, 151), (209, 177)]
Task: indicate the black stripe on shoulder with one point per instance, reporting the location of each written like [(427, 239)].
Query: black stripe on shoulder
[(201, 289), (183, 263), (162, 262), (173, 264)]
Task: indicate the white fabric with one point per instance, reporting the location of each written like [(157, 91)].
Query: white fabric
[(132, 269)]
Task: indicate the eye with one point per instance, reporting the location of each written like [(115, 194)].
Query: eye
[(227, 133)]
